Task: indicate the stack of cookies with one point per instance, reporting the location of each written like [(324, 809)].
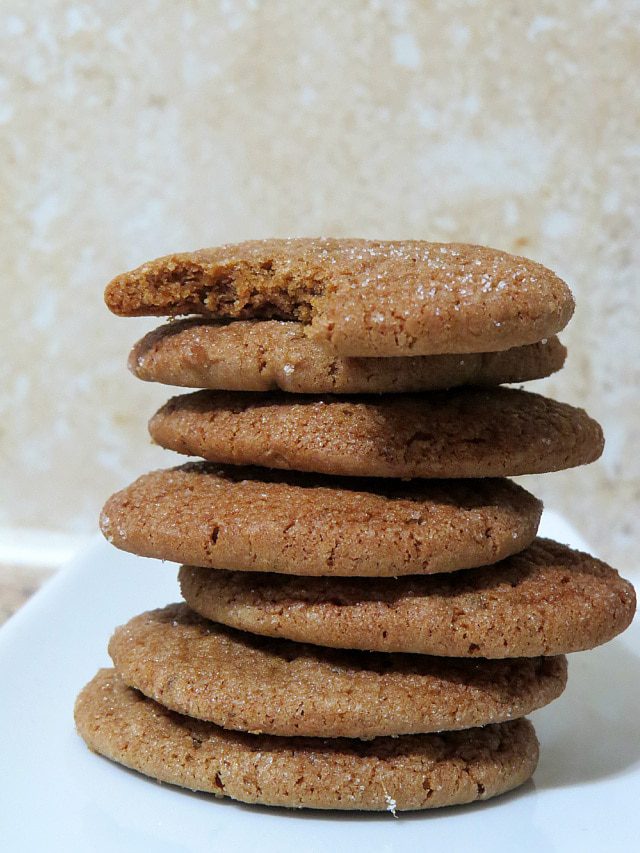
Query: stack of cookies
[(369, 615)]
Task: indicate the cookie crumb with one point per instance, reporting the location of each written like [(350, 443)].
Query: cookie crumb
[(391, 805)]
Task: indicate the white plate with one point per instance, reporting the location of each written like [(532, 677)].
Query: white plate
[(56, 795)]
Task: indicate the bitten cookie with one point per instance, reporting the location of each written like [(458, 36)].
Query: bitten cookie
[(465, 432), (258, 520), (411, 772), (242, 681), (273, 355), (360, 297), (547, 600)]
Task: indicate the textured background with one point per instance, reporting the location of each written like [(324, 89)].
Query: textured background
[(128, 130)]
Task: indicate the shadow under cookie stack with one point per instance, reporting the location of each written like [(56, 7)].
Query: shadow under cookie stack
[(369, 615)]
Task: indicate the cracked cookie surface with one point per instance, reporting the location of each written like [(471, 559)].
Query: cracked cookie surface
[(464, 432), (403, 773), (546, 600), (259, 520), (242, 681), (273, 355)]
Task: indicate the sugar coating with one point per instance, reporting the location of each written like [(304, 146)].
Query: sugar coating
[(546, 600), (464, 432), (360, 297), (258, 520), (272, 355), (421, 771), (242, 681)]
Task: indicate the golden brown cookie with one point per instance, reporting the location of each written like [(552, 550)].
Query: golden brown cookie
[(260, 685), (547, 600), (361, 297), (259, 520), (275, 355), (410, 772), (465, 432)]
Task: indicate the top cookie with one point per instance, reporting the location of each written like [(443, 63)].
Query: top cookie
[(361, 297)]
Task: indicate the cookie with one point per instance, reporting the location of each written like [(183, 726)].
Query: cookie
[(547, 600), (360, 297), (465, 432), (260, 685), (275, 521), (276, 355), (410, 772)]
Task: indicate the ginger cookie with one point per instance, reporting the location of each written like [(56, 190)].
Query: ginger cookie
[(464, 432), (276, 355), (359, 297), (261, 685), (547, 600), (259, 520), (409, 772)]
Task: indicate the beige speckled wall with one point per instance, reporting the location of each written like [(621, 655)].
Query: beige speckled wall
[(128, 130)]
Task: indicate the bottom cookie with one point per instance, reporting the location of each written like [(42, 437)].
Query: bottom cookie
[(403, 773)]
